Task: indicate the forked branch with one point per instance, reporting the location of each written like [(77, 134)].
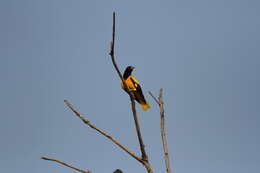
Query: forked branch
[(144, 158), (87, 122)]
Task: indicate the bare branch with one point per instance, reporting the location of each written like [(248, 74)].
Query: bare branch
[(87, 122), (137, 126), (112, 49), (160, 103), (65, 164), (163, 134), (138, 130)]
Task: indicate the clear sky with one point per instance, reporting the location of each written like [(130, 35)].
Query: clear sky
[(204, 53)]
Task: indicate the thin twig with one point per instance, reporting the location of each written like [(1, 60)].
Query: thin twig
[(65, 164), (87, 122), (137, 126), (160, 103), (155, 99)]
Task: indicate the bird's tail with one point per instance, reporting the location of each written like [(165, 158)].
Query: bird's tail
[(145, 106)]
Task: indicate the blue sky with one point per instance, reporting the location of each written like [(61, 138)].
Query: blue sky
[(205, 54)]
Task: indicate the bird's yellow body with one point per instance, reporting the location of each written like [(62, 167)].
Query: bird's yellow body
[(131, 82), (134, 86)]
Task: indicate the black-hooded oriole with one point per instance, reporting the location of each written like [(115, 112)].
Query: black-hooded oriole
[(135, 87)]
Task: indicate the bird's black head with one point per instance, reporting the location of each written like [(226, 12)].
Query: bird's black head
[(128, 72)]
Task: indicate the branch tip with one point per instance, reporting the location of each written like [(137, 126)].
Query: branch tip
[(65, 164)]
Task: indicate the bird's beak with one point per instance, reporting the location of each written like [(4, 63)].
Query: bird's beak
[(132, 67)]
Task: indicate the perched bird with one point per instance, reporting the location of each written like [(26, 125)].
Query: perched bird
[(134, 86)]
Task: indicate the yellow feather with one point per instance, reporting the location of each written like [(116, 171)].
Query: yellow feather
[(129, 82), (132, 84)]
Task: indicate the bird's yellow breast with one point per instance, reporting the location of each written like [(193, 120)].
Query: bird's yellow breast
[(131, 82)]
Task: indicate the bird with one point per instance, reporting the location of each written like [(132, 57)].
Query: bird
[(118, 171), (134, 87)]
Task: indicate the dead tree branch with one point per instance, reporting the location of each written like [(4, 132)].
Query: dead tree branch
[(137, 126), (65, 164), (144, 158), (87, 122), (160, 103)]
